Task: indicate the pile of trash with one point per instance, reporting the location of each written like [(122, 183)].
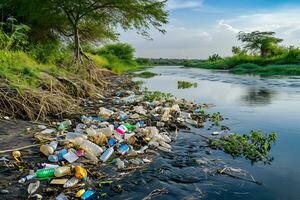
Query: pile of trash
[(123, 135)]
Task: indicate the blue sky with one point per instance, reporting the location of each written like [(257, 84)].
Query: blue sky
[(199, 28)]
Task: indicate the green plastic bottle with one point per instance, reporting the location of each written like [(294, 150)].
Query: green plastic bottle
[(45, 173), (130, 127)]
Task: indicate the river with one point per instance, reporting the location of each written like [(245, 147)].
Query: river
[(248, 102)]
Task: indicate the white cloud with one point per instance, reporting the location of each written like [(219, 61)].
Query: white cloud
[(284, 22), (183, 4), (181, 41), (224, 26)]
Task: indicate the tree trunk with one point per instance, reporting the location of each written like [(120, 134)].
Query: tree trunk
[(264, 52), (77, 50)]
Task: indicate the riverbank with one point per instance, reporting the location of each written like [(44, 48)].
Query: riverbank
[(159, 120), (249, 65)]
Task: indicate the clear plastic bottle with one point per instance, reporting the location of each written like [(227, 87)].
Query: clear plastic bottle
[(49, 149), (105, 113), (106, 155), (27, 178), (108, 131), (71, 182), (46, 166), (72, 136), (88, 146), (65, 125), (62, 171)]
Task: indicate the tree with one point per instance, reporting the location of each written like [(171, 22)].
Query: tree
[(262, 42), (214, 57), (93, 20), (121, 50)]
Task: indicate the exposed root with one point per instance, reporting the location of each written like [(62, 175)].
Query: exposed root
[(36, 105)]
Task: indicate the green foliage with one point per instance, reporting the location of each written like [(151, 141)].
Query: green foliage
[(216, 118), (118, 57), (121, 50), (155, 95), (13, 36), (214, 57), (254, 147), (262, 42), (269, 70), (19, 70), (186, 85), (145, 74), (138, 83), (88, 21), (50, 52)]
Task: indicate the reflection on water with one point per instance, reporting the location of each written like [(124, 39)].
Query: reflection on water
[(248, 102), (257, 96)]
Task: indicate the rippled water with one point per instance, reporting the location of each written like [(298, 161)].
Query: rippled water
[(267, 104)]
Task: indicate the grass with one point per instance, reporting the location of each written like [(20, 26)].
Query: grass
[(269, 70), (245, 64), (145, 74), (20, 71)]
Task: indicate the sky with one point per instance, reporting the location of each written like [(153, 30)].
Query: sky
[(199, 28)]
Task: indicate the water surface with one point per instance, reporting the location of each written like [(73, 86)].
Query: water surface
[(249, 102)]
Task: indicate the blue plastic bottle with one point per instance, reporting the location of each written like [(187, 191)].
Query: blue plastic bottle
[(112, 142), (87, 194), (124, 148)]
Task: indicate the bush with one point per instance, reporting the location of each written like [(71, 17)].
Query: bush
[(121, 51), (50, 52)]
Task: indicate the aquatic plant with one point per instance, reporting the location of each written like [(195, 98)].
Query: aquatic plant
[(186, 85), (216, 118), (146, 74), (138, 83), (254, 147), (155, 95)]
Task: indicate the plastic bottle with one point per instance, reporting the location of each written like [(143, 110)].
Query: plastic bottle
[(27, 178), (46, 166), (61, 196), (105, 113), (121, 129), (62, 171), (80, 193), (65, 125), (128, 136), (108, 131), (53, 158), (106, 155), (130, 127), (71, 182), (45, 173), (60, 154), (49, 149), (72, 136), (88, 146), (87, 194), (123, 149), (80, 172), (120, 164), (164, 144), (111, 142)]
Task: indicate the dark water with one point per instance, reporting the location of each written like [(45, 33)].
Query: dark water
[(267, 104)]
